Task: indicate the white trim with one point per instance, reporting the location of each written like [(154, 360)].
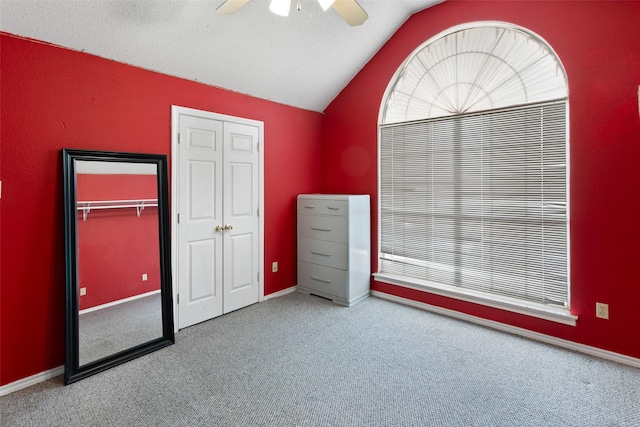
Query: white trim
[(570, 345), (175, 130), (456, 28), (381, 113), (120, 301), (32, 380), (559, 315), (567, 178), (176, 111), (281, 293)]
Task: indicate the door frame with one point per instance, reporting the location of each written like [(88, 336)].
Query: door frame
[(176, 111)]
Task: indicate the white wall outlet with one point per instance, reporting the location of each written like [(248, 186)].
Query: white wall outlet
[(144, 277), (83, 291), (602, 310), (274, 267)]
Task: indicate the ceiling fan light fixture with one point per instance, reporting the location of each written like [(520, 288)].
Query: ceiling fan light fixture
[(350, 10), (231, 6), (325, 4), (280, 7)]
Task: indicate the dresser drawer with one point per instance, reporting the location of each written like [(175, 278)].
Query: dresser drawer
[(331, 228), (323, 206), (321, 252), (325, 280)]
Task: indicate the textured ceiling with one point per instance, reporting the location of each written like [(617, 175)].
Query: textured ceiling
[(303, 60)]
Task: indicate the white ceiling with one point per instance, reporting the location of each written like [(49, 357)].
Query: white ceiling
[(303, 60)]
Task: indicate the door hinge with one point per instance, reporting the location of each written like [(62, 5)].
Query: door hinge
[(258, 211), (178, 137), (258, 276), (257, 146), (178, 218), (178, 298)]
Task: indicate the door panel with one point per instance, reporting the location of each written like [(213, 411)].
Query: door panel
[(241, 277), (200, 153), (241, 286), (202, 201), (218, 232), (241, 191), (202, 257)]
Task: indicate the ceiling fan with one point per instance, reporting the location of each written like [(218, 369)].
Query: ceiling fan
[(350, 10)]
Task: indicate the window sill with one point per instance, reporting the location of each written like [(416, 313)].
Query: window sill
[(559, 315)]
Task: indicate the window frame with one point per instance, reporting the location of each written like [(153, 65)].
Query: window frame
[(561, 315)]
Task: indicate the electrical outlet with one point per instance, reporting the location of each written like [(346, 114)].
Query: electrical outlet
[(144, 277), (274, 267), (83, 291), (602, 310)]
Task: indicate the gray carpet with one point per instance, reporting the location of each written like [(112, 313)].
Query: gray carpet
[(109, 330), (300, 360)]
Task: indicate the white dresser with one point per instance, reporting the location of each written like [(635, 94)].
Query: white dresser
[(334, 246)]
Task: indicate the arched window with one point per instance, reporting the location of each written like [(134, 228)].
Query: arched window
[(473, 171)]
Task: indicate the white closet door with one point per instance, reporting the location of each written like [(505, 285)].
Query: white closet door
[(218, 232), (200, 246), (241, 202)]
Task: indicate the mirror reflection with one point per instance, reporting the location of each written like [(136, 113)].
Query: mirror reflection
[(117, 259), (118, 276)]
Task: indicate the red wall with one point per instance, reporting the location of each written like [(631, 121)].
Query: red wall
[(598, 43), (53, 98), (115, 246)]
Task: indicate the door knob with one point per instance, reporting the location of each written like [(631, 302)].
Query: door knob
[(218, 228), (228, 227)]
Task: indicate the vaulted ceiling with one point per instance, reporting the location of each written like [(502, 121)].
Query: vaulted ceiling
[(303, 60)]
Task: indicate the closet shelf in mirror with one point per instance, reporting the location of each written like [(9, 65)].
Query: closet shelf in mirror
[(89, 205)]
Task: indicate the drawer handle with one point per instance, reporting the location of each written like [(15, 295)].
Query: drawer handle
[(317, 279), (320, 229), (310, 206), (334, 208), (320, 253)]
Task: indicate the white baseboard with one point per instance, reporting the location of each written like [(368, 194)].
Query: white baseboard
[(280, 293), (593, 351), (582, 348), (120, 301), (32, 380)]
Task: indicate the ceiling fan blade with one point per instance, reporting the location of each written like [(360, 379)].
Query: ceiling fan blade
[(231, 6), (351, 11)]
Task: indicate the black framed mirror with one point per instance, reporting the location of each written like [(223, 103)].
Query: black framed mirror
[(117, 254)]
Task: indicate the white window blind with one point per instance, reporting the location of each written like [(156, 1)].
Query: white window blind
[(478, 201), (481, 68)]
